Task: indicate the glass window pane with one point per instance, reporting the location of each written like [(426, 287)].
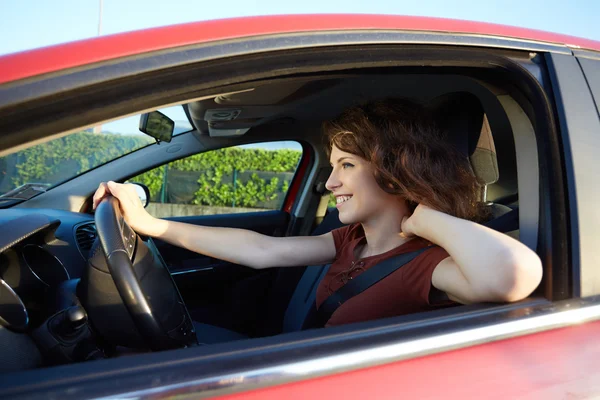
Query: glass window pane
[(26, 173), (237, 179)]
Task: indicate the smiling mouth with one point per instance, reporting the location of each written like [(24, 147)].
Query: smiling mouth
[(342, 199)]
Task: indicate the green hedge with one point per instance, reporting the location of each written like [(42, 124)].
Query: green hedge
[(59, 159), (227, 177)]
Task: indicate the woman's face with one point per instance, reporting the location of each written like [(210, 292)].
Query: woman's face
[(359, 197)]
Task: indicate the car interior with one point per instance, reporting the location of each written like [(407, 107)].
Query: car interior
[(62, 303)]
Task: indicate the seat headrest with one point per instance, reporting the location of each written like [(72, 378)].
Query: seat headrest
[(462, 117)]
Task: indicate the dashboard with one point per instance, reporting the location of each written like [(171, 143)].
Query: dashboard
[(65, 235), (41, 252), (61, 297)]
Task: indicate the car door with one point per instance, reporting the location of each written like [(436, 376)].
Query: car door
[(500, 351)]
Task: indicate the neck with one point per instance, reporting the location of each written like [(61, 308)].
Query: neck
[(382, 232)]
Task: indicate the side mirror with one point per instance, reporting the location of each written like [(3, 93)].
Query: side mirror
[(143, 192), (157, 125)]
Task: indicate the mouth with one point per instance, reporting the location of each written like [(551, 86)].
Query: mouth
[(342, 199)]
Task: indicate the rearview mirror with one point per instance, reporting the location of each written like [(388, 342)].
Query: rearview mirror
[(157, 125)]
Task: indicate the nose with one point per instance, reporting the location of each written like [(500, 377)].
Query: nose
[(333, 181)]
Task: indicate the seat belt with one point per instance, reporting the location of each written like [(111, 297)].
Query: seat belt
[(362, 282)]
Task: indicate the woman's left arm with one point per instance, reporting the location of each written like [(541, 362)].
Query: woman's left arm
[(484, 265)]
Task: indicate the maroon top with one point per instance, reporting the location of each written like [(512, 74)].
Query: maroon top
[(404, 291)]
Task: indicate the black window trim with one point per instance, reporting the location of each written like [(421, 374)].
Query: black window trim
[(579, 127)]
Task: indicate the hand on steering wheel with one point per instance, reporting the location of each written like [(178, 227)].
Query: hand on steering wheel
[(145, 286), (131, 207)]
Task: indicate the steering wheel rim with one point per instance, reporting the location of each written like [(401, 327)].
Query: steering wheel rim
[(118, 240)]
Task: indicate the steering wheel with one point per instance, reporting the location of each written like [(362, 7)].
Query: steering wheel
[(143, 282)]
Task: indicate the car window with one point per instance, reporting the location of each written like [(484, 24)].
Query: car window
[(28, 172), (238, 179)]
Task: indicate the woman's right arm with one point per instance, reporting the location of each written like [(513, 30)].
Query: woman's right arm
[(245, 247), (238, 246)]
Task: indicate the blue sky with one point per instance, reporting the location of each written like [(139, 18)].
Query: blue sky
[(29, 24)]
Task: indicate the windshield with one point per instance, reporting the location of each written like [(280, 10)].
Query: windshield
[(29, 172)]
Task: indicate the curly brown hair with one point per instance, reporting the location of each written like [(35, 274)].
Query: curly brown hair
[(410, 155)]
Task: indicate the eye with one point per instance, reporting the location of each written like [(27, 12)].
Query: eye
[(347, 165)]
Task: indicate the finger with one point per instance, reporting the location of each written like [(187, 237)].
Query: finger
[(133, 197), (99, 195), (123, 193), (404, 227), (115, 189)]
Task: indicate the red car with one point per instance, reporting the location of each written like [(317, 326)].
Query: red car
[(237, 143)]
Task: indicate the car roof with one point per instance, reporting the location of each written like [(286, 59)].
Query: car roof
[(105, 48)]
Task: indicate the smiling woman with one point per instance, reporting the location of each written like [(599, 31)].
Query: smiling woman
[(409, 157), (395, 176)]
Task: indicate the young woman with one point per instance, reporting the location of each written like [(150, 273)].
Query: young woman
[(399, 188)]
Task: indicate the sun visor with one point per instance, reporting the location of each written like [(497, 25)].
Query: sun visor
[(215, 132)]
